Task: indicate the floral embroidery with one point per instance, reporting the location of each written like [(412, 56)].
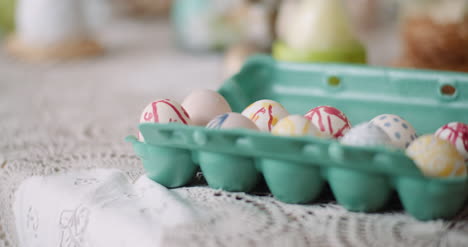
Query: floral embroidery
[(73, 224), (32, 221), (85, 181)]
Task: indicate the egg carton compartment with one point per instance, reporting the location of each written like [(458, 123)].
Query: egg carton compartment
[(297, 168), (361, 179)]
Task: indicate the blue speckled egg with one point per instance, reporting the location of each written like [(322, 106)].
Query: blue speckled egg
[(400, 131)]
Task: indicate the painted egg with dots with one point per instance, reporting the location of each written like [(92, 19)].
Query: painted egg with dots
[(436, 157), (400, 131), (265, 114), (366, 134), (164, 111), (295, 125), (457, 134), (231, 120), (331, 122)]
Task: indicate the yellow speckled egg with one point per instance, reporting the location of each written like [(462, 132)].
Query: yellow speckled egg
[(436, 157), (265, 114), (295, 125)]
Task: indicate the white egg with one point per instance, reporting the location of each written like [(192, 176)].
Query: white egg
[(400, 131), (163, 111), (202, 105), (366, 134), (265, 114), (231, 120), (295, 125)]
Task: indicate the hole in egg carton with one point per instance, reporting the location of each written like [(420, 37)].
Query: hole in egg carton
[(448, 90), (334, 81)]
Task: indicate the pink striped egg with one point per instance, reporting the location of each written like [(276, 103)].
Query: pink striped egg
[(457, 134), (331, 122), (163, 111)]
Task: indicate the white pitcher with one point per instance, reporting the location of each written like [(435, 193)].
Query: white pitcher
[(51, 22), (315, 25)]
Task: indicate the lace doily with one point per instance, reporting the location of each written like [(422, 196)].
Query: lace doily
[(60, 117)]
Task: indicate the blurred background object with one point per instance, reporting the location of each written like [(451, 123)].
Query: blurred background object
[(52, 29), (99, 13), (417, 33), (376, 25), (143, 7), (364, 13), (368, 15), (207, 25), (286, 12), (7, 13), (317, 31), (435, 34), (235, 57)]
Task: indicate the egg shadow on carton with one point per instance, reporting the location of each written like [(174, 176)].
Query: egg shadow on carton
[(261, 189), (325, 199)]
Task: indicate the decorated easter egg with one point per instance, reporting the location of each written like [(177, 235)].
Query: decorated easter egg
[(232, 120), (399, 130), (295, 125), (366, 134), (203, 105), (436, 157), (457, 134), (331, 122), (164, 111), (265, 114)]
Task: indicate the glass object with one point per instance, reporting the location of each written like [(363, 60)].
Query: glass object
[(204, 25)]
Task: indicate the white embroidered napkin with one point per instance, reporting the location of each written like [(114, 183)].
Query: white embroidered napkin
[(96, 208)]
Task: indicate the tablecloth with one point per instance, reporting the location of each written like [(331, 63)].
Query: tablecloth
[(66, 117), (99, 207)]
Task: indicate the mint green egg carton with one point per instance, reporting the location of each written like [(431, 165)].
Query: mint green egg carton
[(296, 169)]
